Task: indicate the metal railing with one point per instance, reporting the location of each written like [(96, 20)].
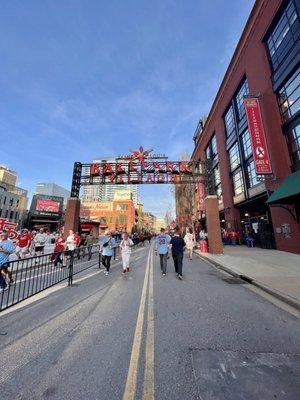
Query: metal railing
[(32, 275)]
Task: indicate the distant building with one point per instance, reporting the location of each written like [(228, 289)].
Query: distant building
[(106, 192), (45, 212), (159, 223), (52, 189), (149, 221), (114, 215), (139, 213), (13, 200)]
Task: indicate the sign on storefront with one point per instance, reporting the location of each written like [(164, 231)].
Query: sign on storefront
[(10, 227), (258, 137)]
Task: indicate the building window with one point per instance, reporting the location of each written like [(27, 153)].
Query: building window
[(247, 146), (6, 214), (11, 215), (211, 150), (4, 201), (252, 178), (289, 97), (207, 152), (234, 157), (284, 35), (238, 184), (217, 175), (229, 122), (219, 192), (11, 202), (244, 91), (122, 207), (293, 141)]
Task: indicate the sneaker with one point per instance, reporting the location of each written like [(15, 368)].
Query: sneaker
[(124, 271), (180, 277), (127, 269), (164, 274)]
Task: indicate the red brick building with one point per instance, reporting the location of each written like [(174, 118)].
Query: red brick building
[(266, 64), (114, 215)]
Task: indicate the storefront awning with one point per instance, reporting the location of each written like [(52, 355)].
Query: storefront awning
[(288, 192)]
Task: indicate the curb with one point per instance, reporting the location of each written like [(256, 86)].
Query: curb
[(283, 297)]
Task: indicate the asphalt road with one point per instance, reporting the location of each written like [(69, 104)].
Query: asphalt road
[(144, 336)]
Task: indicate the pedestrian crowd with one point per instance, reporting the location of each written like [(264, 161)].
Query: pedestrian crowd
[(33, 243)]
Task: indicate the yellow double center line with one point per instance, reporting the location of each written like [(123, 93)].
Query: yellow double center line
[(131, 382)]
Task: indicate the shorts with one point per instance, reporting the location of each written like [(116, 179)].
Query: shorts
[(23, 250), (39, 248)]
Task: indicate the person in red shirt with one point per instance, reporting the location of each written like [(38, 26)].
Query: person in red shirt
[(24, 241), (233, 237), (59, 248)]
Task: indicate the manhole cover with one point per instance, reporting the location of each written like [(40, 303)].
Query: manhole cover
[(228, 375), (236, 281)]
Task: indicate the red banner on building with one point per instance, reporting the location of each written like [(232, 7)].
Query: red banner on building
[(201, 195), (258, 137), (10, 227)]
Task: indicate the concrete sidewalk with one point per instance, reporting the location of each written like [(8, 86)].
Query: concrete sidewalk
[(276, 272)]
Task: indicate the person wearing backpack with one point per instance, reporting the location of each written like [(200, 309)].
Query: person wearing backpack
[(107, 244)]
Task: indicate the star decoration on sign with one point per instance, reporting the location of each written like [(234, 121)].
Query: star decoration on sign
[(140, 154)]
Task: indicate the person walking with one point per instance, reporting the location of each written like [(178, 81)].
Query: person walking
[(189, 240), (177, 245), (23, 243), (107, 245), (89, 244), (40, 240), (71, 242), (125, 245), (6, 248), (59, 248), (162, 242)]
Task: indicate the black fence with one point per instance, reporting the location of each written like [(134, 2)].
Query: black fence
[(32, 275)]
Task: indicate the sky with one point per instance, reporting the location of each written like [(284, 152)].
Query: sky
[(87, 79)]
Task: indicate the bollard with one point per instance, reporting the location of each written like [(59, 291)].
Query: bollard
[(203, 246), (70, 280)]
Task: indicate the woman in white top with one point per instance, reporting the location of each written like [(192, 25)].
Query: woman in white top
[(125, 246), (71, 241), (189, 240)]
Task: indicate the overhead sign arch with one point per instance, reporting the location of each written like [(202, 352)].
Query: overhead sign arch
[(141, 167)]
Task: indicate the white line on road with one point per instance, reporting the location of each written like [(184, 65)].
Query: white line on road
[(131, 382), (148, 393)]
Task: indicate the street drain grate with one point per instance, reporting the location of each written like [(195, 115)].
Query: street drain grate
[(234, 281)]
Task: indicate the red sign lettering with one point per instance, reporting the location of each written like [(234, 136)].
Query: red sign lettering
[(150, 179), (107, 169), (95, 169), (120, 169), (161, 178), (185, 167)]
